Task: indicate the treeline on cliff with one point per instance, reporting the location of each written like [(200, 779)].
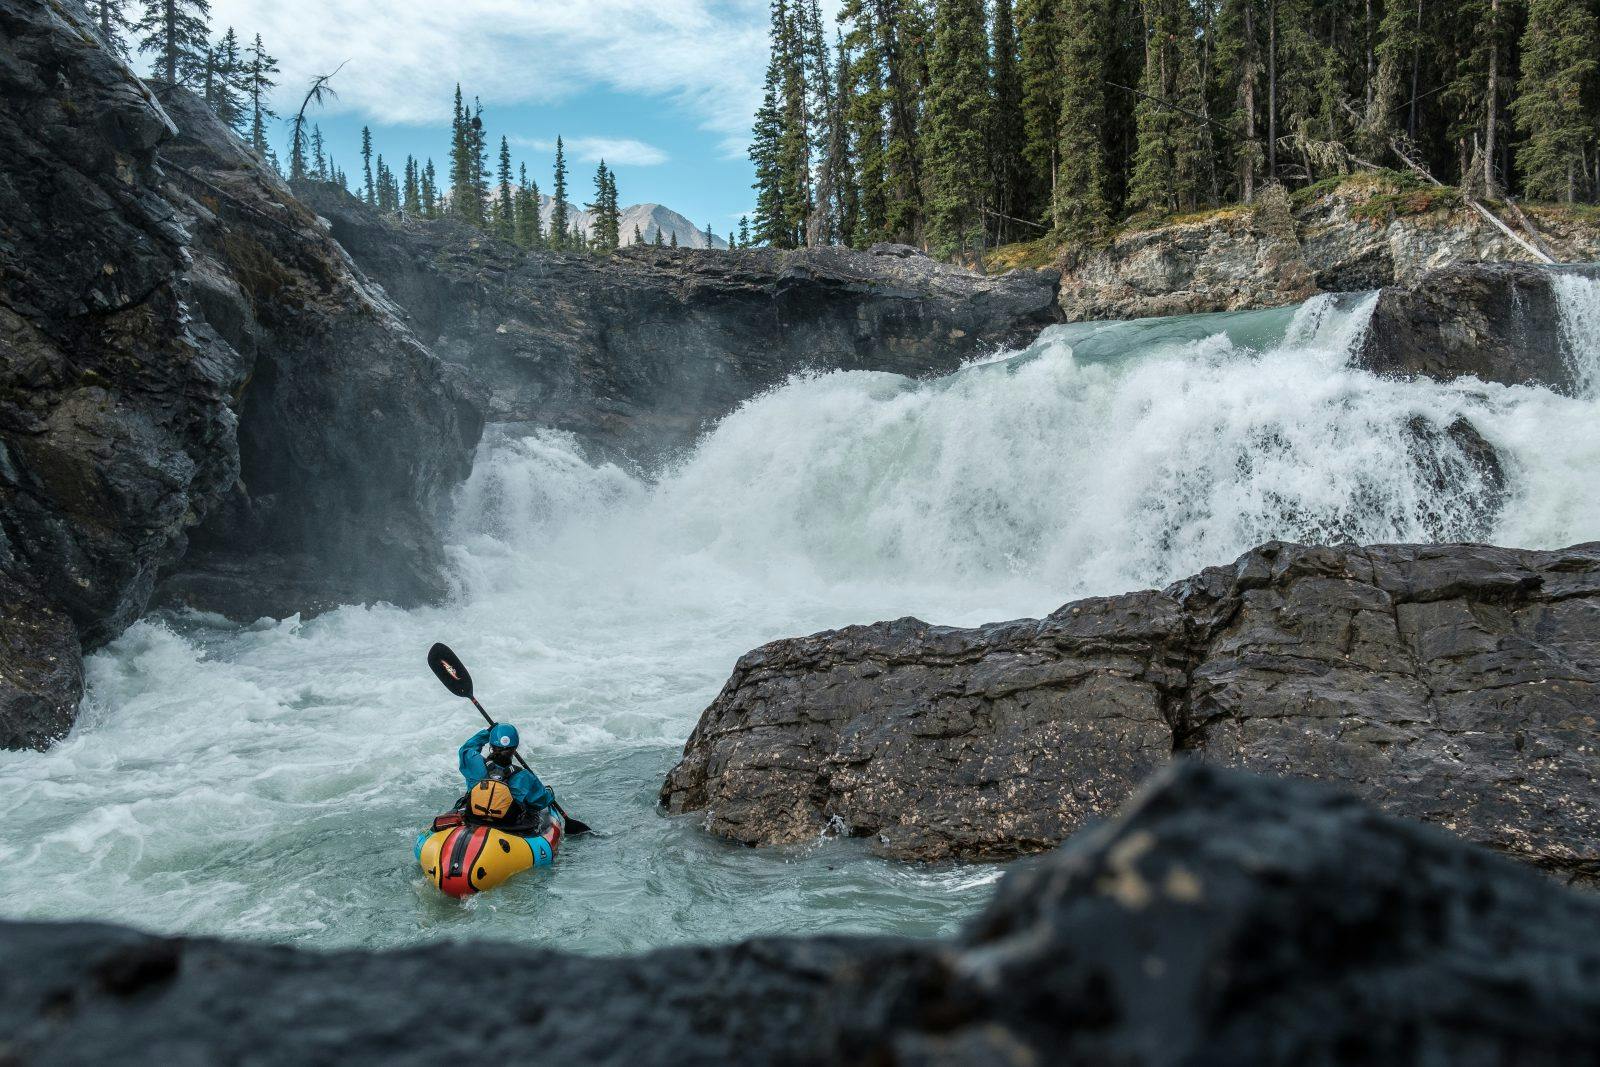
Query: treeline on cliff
[(959, 125)]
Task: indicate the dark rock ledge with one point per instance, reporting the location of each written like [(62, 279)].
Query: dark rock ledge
[(1456, 684), (1224, 918)]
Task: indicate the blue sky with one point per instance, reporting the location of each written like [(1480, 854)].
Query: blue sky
[(664, 89)]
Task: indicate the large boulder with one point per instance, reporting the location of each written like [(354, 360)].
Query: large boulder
[(641, 350), (1500, 322), (116, 430), (1223, 918), (1457, 684)]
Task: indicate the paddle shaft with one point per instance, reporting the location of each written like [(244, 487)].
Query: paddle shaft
[(577, 826)]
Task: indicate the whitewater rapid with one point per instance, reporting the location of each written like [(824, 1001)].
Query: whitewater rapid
[(267, 781)]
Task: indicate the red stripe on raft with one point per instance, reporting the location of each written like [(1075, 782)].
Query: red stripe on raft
[(455, 874)]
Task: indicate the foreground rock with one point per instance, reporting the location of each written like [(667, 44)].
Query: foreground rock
[(1367, 233), (640, 350), (1223, 919), (186, 360), (1500, 322), (1457, 684)]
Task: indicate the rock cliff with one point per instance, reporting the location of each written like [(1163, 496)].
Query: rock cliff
[(1223, 918), (641, 350), (1457, 684), (1366, 233), (192, 375)]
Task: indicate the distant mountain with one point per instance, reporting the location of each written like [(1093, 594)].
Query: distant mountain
[(647, 217)]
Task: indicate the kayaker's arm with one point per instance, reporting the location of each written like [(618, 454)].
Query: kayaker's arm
[(470, 758), (526, 787)]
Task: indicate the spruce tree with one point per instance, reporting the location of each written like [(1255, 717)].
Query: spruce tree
[(319, 154), (674, 241), (176, 32), (1082, 204), (744, 231), (1039, 31), (638, 237), (112, 22), (957, 116), (430, 191), (660, 241), (369, 189), (1005, 133), (560, 237), (224, 80), (505, 222), (529, 234), (413, 192), (764, 152), (1560, 57), (258, 84)]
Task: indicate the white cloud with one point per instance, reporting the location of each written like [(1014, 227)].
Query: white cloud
[(404, 59), (614, 150)]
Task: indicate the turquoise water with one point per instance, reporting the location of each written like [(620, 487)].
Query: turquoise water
[(268, 781)]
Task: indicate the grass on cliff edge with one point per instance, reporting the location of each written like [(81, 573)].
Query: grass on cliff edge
[(1380, 196)]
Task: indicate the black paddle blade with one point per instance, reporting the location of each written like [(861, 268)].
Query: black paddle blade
[(450, 670), (574, 826)]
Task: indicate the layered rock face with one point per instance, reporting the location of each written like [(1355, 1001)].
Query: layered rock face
[(186, 360), (116, 429), (641, 350), (1361, 236), (351, 433), (1223, 918), (1455, 684), (1500, 322)]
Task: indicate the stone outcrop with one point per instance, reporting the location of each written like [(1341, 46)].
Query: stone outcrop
[(1500, 322), (1456, 684), (641, 350), (351, 433), (1366, 234), (1224, 918), (190, 370), (116, 430)]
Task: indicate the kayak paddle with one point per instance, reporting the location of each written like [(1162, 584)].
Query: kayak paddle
[(449, 669)]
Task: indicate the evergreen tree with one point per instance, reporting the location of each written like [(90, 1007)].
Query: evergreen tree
[(863, 108), (176, 32), (412, 204), (957, 116), (660, 241), (638, 237), (505, 221), (369, 189), (1083, 195), (223, 81), (258, 84), (559, 227), (744, 231), (674, 241), (1038, 68), (529, 234), (711, 237), (430, 191), (1560, 57), (764, 151), (113, 24), (603, 209), (319, 155), (1005, 134), (1166, 170)]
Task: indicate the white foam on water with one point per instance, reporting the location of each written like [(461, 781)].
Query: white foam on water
[(268, 781)]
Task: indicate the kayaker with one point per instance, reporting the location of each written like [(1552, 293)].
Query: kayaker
[(526, 789)]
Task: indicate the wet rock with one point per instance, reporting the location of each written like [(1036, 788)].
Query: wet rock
[(351, 433), (187, 361), (641, 350), (1499, 322), (116, 432), (1457, 684), (1223, 918)]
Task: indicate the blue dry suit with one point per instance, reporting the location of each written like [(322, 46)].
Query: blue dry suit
[(524, 785)]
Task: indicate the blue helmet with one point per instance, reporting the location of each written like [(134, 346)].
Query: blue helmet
[(504, 735)]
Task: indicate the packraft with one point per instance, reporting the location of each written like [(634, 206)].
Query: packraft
[(463, 854)]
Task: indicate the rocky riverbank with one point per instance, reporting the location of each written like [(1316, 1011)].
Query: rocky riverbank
[(1366, 232), (640, 351), (1456, 684), (1223, 918), (193, 378)]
